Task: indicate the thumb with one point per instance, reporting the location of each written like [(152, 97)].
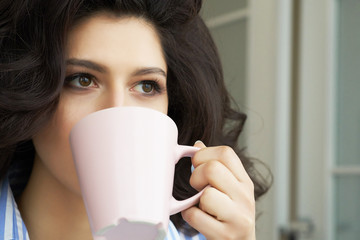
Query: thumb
[(199, 144)]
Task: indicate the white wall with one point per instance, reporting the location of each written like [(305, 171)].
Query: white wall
[(269, 84)]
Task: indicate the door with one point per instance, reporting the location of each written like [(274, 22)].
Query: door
[(328, 110)]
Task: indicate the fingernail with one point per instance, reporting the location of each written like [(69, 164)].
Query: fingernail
[(199, 141)]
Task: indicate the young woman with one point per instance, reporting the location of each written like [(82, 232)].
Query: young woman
[(62, 60)]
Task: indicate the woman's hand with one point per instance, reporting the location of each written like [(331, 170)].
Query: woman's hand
[(227, 205)]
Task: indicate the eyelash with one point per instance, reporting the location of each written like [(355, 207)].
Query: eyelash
[(157, 88), (73, 77)]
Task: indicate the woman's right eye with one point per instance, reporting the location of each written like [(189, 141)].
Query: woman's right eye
[(80, 80)]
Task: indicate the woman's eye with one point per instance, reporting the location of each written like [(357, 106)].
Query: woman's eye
[(148, 87), (80, 81)]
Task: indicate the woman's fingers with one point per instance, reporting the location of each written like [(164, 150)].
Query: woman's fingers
[(203, 222), (227, 205), (217, 204), (223, 154), (221, 168), (215, 174)]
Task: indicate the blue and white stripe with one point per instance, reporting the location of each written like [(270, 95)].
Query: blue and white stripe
[(172, 233), (12, 226), (196, 237)]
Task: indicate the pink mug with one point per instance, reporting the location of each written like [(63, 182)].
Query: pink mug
[(125, 160)]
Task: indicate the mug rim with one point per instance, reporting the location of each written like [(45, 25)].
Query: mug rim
[(135, 108)]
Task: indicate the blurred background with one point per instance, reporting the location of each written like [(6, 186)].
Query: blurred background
[(293, 66)]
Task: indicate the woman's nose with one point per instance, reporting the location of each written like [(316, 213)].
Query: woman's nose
[(115, 98)]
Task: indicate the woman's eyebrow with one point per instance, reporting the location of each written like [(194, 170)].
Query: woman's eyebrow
[(86, 63), (149, 70), (102, 69)]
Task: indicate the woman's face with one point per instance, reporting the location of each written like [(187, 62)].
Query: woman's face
[(110, 62)]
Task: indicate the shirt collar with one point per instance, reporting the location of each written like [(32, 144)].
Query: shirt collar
[(12, 226)]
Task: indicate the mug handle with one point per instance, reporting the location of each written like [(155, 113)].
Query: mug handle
[(180, 205)]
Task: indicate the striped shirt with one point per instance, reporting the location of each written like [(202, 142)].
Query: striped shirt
[(12, 226)]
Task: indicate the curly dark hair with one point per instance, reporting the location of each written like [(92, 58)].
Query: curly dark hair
[(32, 72)]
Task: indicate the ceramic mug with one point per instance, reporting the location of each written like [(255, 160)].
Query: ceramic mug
[(125, 160)]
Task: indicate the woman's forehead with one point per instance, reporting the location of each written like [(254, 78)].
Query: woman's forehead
[(107, 39)]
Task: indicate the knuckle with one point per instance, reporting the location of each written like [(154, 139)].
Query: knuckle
[(252, 194), (212, 168), (194, 182), (251, 186), (189, 216), (248, 198), (247, 222), (207, 195), (252, 203), (226, 151), (195, 158)]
